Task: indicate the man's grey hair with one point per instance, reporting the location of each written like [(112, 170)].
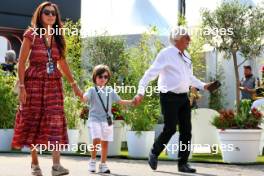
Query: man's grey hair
[(177, 33), (10, 56)]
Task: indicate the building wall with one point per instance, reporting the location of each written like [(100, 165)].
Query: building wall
[(17, 13), (3, 49)]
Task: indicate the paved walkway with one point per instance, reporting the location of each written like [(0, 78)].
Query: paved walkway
[(19, 165)]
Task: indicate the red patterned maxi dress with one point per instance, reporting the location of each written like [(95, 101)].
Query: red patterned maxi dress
[(41, 120)]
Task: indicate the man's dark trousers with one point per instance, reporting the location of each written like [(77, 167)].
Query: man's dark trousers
[(176, 110)]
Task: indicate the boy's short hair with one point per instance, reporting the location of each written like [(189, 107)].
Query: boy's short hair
[(99, 70)]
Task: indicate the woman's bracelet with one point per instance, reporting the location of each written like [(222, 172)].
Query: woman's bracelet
[(21, 85)]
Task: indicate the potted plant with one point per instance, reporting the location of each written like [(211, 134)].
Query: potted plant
[(8, 108), (239, 133), (72, 111), (84, 136), (114, 148), (159, 126), (141, 136), (173, 151)]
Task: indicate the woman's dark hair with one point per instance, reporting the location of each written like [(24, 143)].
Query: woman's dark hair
[(99, 70), (36, 22)]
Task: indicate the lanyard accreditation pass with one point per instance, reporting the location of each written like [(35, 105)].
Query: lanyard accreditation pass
[(50, 65)]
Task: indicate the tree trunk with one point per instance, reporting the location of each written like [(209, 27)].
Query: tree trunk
[(237, 80)]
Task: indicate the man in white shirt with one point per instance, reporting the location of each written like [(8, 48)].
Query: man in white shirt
[(173, 66), (259, 104)]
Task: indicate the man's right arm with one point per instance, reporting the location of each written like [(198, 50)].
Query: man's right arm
[(151, 73)]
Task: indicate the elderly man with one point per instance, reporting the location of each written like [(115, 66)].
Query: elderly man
[(174, 68)]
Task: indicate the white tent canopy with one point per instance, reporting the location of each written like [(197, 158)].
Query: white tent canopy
[(119, 17)]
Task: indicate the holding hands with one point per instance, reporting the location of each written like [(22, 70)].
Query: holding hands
[(137, 100), (77, 90)]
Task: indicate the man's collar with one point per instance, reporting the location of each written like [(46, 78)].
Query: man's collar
[(177, 49)]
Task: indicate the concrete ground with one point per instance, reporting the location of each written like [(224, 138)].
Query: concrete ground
[(19, 165)]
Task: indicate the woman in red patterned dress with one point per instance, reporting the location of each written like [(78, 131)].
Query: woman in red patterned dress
[(40, 118)]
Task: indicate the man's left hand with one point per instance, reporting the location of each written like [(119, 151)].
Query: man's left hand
[(207, 85)]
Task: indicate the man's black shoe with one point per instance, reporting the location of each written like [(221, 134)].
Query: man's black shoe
[(153, 161), (186, 168)]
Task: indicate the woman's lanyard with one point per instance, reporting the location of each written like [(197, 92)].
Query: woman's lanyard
[(50, 65), (49, 48), (187, 60)]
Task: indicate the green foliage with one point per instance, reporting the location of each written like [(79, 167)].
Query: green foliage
[(74, 50), (195, 50), (108, 50), (182, 20), (246, 118), (72, 106), (8, 101), (217, 98), (140, 57), (246, 22), (143, 117)]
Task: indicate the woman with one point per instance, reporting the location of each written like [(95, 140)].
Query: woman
[(40, 118)]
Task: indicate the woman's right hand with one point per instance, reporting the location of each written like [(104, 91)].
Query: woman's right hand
[(23, 95), (77, 91)]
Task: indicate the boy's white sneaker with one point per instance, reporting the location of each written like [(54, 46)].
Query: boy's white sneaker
[(103, 168), (92, 165)]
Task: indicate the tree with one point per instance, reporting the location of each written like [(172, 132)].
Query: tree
[(217, 98), (235, 29), (139, 59), (72, 105), (108, 50)]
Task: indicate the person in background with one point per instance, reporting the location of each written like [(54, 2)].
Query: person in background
[(248, 83), (10, 62)]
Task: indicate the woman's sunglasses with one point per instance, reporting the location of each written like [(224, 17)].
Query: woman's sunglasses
[(103, 76), (49, 12)]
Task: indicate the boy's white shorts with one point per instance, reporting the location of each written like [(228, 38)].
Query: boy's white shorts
[(101, 130)]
